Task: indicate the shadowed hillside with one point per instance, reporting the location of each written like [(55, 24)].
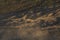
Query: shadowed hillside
[(29, 20)]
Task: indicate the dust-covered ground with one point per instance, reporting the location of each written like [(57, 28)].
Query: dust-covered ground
[(28, 20)]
